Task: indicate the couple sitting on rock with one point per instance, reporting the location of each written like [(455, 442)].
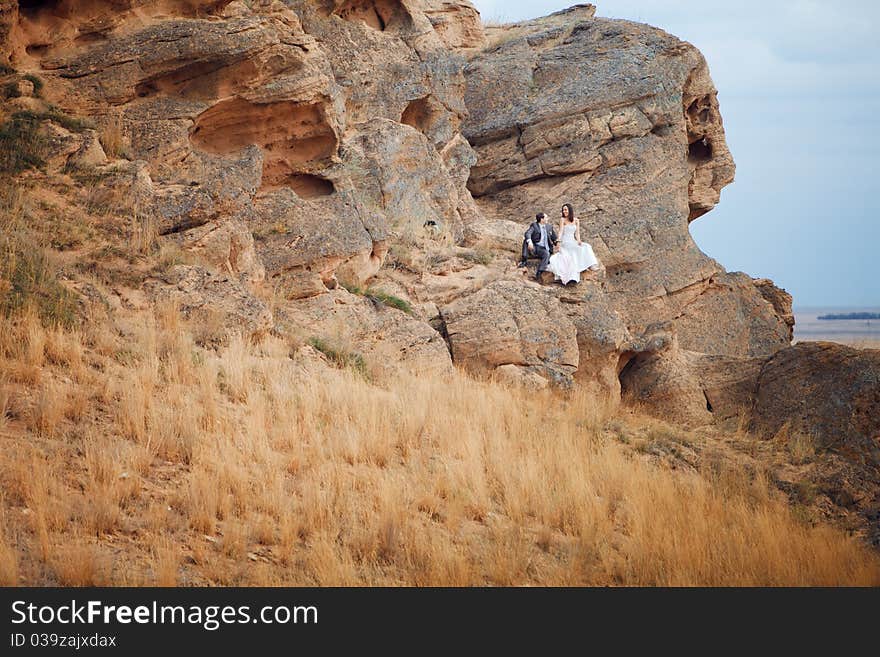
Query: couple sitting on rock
[(574, 256)]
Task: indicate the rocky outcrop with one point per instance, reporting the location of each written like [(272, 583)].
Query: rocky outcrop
[(457, 23), (250, 118), (226, 100), (780, 300), (370, 167), (621, 120), (387, 338), (826, 392), (690, 388), (268, 151)]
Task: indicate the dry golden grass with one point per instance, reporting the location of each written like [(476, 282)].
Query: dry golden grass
[(112, 138), (144, 232), (238, 467), (79, 563), (9, 574), (865, 344)]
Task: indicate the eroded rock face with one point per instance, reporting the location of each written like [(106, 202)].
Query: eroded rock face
[(335, 131), (621, 120), (724, 316), (300, 143), (311, 147), (603, 340), (8, 21), (289, 141), (691, 388), (227, 100), (228, 246), (457, 23), (665, 384)]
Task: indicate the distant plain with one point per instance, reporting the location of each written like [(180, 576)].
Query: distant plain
[(859, 333)]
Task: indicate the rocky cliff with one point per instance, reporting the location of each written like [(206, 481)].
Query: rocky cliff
[(315, 159)]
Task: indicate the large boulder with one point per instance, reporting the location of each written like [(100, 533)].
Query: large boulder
[(691, 388), (217, 303), (662, 382), (827, 391), (513, 323), (387, 339)]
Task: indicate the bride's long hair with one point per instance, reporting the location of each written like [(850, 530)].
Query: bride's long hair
[(570, 212)]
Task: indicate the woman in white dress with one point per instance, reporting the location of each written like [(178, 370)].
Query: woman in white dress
[(574, 256)]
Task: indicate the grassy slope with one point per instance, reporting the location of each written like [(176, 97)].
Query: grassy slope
[(131, 456)]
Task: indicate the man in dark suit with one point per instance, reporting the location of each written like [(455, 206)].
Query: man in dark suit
[(539, 241)]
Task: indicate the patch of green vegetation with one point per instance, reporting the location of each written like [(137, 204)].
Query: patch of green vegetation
[(663, 439), (380, 298), (6, 69), (54, 114), (10, 90), (37, 82), (28, 280), (340, 358), (801, 448), (170, 254), (665, 434), (620, 431), (806, 492), (22, 147)]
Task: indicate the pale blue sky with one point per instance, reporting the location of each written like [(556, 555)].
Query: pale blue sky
[(800, 94)]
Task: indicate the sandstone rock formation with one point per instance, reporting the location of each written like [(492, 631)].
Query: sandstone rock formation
[(304, 143), (621, 120), (826, 392), (691, 388)]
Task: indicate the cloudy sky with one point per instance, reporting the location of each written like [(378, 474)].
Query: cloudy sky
[(800, 94)]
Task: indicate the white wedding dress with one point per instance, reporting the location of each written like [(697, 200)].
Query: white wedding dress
[(572, 258)]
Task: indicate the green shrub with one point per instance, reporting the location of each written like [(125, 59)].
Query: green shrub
[(37, 82), (55, 115), (10, 90), (21, 145), (6, 69), (340, 357), (380, 298), (27, 280)]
